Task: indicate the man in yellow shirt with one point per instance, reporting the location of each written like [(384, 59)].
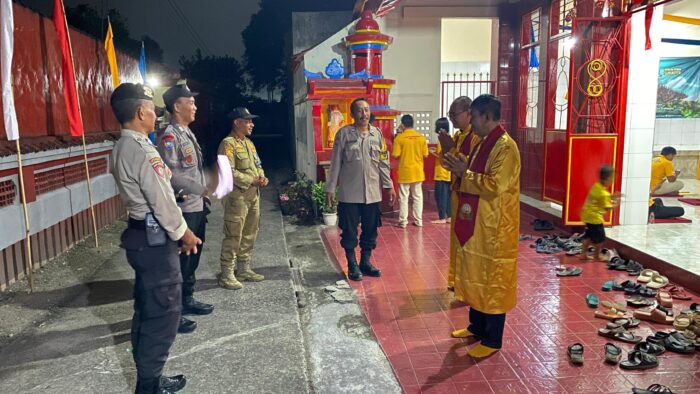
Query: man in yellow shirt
[(598, 203), (664, 180), (442, 177), (410, 148)]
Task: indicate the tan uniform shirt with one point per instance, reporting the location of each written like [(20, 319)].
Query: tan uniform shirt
[(359, 166), (144, 182), (245, 162), (180, 151)]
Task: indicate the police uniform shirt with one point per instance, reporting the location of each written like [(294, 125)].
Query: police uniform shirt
[(144, 182), (245, 162), (359, 166), (180, 151)]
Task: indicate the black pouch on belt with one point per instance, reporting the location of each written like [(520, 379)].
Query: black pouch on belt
[(155, 235)]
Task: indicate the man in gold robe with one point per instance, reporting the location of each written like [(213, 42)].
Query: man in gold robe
[(460, 117), (486, 226)]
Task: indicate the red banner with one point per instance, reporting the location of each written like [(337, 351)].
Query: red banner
[(69, 88)]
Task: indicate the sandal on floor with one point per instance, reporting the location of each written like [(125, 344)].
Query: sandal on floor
[(646, 292), (611, 305), (681, 322), (639, 302), (646, 275), (679, 345), (613, 353), (638, 360), (592, 300), (664, 298), (667, 311), (634, 268), (612, 314), (575, 353), (658, 338), (620, 334), (622, 286), (569, 271), (653, 315), (693, 308), (609, 285), (657, 281), (628, 322), (653, 389), (678, 293), (651, 348)]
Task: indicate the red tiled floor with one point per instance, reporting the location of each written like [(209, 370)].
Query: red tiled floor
[(412, 314)]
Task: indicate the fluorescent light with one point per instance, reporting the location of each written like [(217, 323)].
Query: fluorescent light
[(153, 81)]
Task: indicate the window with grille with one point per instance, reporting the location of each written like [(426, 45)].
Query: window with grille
[(529, 70), (8, 191)]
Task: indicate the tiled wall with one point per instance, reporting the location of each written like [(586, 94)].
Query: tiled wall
[(682, 134), (640, 120)]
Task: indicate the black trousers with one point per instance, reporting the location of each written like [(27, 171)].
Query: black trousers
[(663, 212), (157, 301), (197, 222), (352, 214), (488, 327), (442, 198)]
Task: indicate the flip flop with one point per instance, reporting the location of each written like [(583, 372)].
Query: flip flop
[(613, 353), (657, 281), (653, 315), (651, 348), (627, 322), (620, 334), (638, 302), (622, 286), (678, 293), (646, 275), (609, 285), (664, 299), (592, 300), (638, 360), (569, 271), (653, 389), (613, 305), (611, 315), (575, 353)]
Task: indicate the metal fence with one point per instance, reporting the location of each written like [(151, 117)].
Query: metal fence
[(454, 85)]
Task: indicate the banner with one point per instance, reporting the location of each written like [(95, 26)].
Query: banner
[(111, 55), (69, 88), (679, 88), (8, 43)]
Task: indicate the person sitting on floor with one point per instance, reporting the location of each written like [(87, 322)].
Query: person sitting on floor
[(660, 211), (664, 180), (598, 203)]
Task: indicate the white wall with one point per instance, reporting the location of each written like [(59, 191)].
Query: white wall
[(640, 119)]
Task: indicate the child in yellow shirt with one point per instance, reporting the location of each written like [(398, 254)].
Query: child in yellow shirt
[(442, 177), (598, 203)]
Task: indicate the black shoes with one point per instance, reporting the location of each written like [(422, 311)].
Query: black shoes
[(186, 326), (366, 266), (192, 307), (353, 270), (173, 383)]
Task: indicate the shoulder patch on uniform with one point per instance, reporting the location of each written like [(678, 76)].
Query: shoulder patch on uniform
[(189, 159), (168, 137), (189, 150), (168, 143), (158, 166)]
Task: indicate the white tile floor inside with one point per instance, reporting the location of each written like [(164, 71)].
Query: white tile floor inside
[(674, 243)]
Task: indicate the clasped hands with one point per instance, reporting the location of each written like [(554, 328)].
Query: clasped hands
[(260, 181), (455, 164)]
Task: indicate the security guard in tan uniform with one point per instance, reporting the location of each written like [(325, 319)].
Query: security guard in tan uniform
[(242, 205), (360, 167), (151, 239), (181, 152)]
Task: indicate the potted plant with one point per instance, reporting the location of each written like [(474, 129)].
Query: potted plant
[(330, 216)]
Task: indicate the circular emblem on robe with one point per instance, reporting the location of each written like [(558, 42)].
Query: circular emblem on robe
[(465, 212)]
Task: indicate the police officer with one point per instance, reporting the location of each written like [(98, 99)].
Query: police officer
[(180, 151), (242, 205), (151, 239), (360, 166)]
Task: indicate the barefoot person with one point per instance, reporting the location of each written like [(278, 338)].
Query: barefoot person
[(486, 226), (598, 203)]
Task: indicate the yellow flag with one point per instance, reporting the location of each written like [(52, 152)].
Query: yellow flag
[(111, 55)]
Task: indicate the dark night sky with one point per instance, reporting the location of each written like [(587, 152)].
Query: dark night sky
[(218, 22)]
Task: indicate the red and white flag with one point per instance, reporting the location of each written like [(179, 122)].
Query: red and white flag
[(7, 43), (69, 89)]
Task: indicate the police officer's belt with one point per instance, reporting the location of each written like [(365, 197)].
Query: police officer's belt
[(137, 224)]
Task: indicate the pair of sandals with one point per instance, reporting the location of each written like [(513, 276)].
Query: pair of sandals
[(568, 271), (672, 341), (632, 288), (639, 302), (652, 278), (653, 389), (613, 353), (620, 333), (655, 315), (618, 264)]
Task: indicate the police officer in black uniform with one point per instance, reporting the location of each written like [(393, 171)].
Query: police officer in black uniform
[(151, 241)]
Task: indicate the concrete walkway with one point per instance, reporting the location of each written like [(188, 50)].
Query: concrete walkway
[(72, 336)]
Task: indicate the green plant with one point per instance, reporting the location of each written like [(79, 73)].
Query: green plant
[(318, 194), (295, 198)]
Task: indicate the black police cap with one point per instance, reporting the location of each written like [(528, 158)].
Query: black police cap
[(171, 95), (134, 91), (241, 113)]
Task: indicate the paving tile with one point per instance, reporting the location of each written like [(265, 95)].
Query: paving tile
[(412, 314)]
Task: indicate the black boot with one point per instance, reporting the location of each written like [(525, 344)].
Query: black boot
[(186, 326), (366, 266), (173, 383), (150, 386), (353, 270), (192, 307)]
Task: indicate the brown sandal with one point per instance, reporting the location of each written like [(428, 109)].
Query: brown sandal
[(664, 298), (654, 315), (681, 322), (611, 314), (678, 293)]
